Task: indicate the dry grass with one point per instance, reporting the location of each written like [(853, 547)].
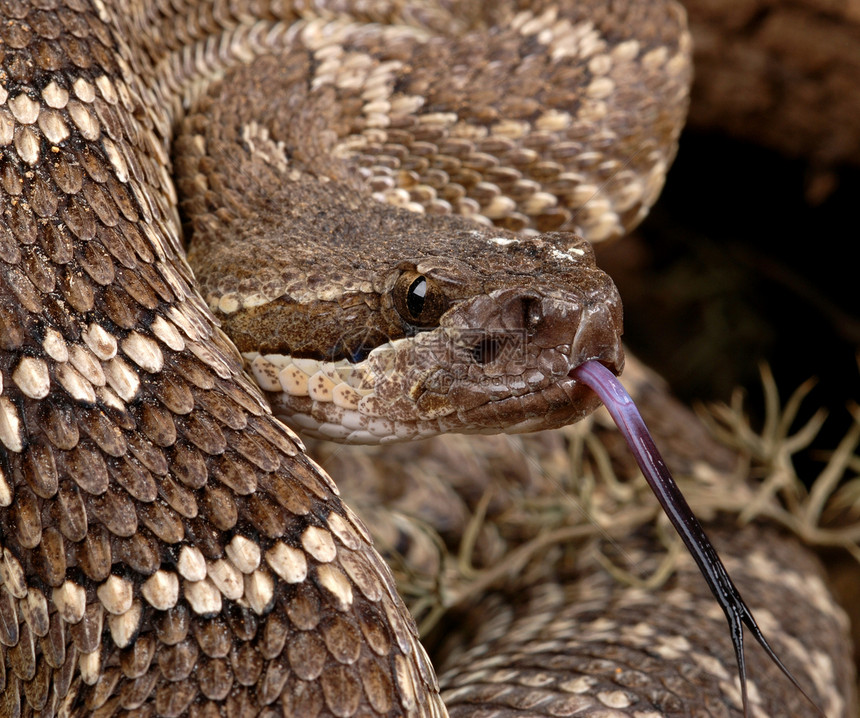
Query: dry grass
[(585, 502)]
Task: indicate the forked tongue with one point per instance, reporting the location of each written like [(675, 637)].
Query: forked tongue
[(626, 416)]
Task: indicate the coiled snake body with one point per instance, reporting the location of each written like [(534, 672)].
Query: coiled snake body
[(168, 548)]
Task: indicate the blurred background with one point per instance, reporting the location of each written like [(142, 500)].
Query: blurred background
[(750, 255)]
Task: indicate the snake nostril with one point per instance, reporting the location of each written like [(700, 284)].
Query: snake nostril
[(486, 350), (532, 313)]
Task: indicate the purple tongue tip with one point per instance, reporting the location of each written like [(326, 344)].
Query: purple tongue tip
[(629, 421)]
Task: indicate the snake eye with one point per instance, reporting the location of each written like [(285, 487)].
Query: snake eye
[(418, 300)]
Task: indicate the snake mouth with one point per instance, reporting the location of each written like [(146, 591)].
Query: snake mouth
[(559, 397), (506, 366), (561, 403)]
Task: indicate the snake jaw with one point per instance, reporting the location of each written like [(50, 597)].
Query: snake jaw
[(500, 362), (524, 383), (534, 390), (596, 340), (520, 316)]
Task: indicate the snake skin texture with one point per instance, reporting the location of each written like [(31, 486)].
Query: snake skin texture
[(168, 547)]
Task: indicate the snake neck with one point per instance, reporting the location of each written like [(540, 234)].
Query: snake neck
[(324, 184)]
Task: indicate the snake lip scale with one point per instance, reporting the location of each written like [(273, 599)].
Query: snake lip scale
[(379, 212)]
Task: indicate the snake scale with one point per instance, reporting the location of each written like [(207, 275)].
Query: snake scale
[(168, 547)]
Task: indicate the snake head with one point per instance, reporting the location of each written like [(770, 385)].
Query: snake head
[(499, 360), (481, 343)]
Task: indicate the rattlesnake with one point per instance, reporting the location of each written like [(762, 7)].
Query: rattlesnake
[(168, 546)]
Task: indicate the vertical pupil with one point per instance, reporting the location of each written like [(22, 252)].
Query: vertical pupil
[(415, 296)]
